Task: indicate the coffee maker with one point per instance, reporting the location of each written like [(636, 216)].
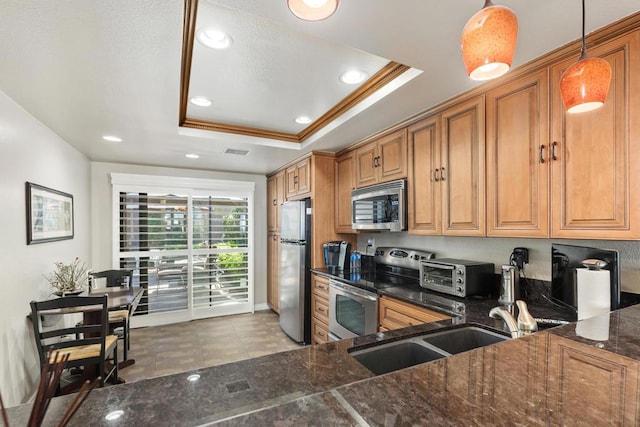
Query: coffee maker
[(336, 255)]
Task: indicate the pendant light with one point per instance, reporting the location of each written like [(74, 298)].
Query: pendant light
[(313, 10), (584, 86), (489, 41)]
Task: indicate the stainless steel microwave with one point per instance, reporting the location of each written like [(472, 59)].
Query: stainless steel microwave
[(380, 207), (458, 277)]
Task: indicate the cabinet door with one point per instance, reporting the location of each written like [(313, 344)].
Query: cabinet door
[(345, 183), (319, 332), (395, 314), (365, 165), (273, 271), (320, 308), (425, 215), (595, 179), (291, 181), (392, 156), (275, 197), (303, 176), (580, 377), (517, 158), (463, 169)]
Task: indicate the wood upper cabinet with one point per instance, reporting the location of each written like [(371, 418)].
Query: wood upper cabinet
[(382, 160), (595, 176), (345, 183), (275, 197), (447, 172), (273, 271), (395, 314), (608, 386), (424, 195), (298, 179), (518, 158), (462, 171)]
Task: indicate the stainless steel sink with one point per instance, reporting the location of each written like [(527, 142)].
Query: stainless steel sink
[(456, 341), (393, 356)]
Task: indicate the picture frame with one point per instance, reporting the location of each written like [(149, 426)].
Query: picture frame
[(49, 214)]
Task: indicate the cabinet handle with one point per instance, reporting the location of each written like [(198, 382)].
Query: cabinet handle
[(553, 150), (435, 175), (275, 202), (442, 177), (295, 179), (379, 162), (541, 153)]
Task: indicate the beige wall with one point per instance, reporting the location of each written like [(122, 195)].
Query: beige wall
[(29, 151), (497, 251), (101, 213)]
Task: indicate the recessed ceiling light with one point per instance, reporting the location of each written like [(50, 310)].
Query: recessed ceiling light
[(353, 77), (193, 377), (114, 415), (112, 138), (192, 156), (200, 101), (303, 120), (214, 38)]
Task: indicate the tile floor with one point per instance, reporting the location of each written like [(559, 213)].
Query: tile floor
[(170, 349)]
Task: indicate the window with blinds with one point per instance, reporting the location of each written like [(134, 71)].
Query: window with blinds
[(188, 251)]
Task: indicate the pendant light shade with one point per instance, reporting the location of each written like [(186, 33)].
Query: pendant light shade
[(489, 41), (313, 10), (584, 86)]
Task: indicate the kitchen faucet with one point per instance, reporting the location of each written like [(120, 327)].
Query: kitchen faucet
[(525, 324)]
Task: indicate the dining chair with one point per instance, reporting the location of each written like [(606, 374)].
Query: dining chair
[(118, 319), (88, 343)]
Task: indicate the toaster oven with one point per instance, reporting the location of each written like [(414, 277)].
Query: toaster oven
[(457, 277)]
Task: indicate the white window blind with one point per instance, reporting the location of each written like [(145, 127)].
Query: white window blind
[(190, 249)]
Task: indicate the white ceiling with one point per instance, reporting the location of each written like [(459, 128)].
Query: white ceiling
[(88, 68)]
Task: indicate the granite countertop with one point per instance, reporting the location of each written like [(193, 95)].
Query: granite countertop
[(528, 381)]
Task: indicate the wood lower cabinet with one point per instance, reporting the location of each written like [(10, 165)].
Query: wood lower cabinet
[(319, 309), (382, 160), (447, 172), (345, 183), (595, 167), (518, 158), (580, 378), (396, 314), (273, 271)]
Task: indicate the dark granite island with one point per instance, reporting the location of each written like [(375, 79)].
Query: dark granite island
[(550, 378)]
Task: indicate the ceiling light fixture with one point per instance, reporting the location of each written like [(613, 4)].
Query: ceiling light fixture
[(214, 38), (112, 138), (313, 10), (192, 156), (303, 120), (584, 86), (200, 101), (353, 77), (489, 42)]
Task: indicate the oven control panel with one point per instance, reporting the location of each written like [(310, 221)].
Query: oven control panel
[(399, 257)]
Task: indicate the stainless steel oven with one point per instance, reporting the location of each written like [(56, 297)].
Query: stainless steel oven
[(353, 311)]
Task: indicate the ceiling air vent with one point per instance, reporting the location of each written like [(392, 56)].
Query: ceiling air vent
[(236, 152)]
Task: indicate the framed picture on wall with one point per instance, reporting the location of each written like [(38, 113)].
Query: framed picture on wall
[(49, 214)]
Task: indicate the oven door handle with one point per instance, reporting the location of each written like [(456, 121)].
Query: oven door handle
[(440, 266), (353, 290)]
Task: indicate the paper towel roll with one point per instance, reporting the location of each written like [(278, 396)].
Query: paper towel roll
[(594, 292), (594, 328)]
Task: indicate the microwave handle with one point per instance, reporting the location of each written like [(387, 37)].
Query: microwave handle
[(440, 266)]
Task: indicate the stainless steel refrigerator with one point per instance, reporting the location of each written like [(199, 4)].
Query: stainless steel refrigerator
[(295, 278)]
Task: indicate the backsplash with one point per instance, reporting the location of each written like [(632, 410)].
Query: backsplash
[(497, 251)]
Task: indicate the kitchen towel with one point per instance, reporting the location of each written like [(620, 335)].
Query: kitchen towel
[(594, 328), (594, 292)]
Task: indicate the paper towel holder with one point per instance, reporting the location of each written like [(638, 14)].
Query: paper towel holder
[(594, 264)]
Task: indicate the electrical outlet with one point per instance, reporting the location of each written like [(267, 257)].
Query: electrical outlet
[(371, 242), (520, 256)]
